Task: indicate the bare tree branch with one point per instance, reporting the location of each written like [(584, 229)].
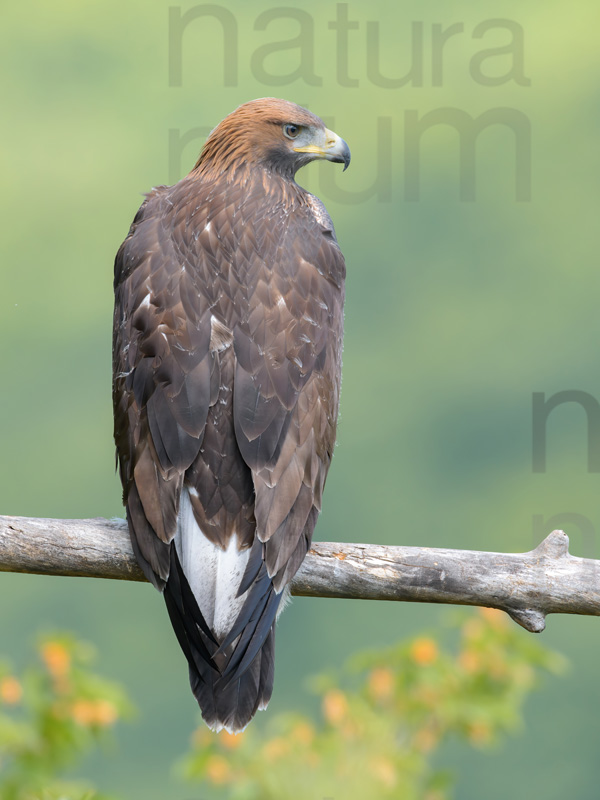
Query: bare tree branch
[(528, 586)]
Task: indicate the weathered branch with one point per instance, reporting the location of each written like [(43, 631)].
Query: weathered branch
[(528, 586)]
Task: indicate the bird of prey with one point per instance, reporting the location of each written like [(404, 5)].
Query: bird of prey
[(227, 343)]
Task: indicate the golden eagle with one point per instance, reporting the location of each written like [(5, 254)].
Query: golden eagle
[(227, 343)]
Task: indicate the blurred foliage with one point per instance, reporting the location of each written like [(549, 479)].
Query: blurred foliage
[(50, 717), (383, 718)]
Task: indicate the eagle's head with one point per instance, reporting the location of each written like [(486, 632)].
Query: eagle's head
[(271, 133)]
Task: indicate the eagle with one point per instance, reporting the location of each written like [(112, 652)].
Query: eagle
[(227, 344)]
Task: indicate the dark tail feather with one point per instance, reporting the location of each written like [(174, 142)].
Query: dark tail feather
[(230, 681), (193, 634), (231, 703)]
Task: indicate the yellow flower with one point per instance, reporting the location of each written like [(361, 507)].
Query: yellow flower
[(426, 739), (381, 683), (275, 749), (335, 706), (496, 618), (105, 713), (473, 628), (479, 733), (470, 661), (94, 712), (217, 770), (83, 712), (385, 772), (11, 690), (202, 737), (230, 741), (57, 659), (303, 733), (434, 794), (424, 651)]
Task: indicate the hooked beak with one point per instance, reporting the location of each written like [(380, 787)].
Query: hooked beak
[(332, 147)]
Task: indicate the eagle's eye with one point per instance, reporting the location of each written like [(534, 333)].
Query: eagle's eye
[(291, 131)]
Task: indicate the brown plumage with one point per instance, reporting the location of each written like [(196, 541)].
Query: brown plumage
[(229, 292)]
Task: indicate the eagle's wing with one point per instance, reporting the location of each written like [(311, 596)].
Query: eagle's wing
[(286, 396), (164, 380), (287, 384)]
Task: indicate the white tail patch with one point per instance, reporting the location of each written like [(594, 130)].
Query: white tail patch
[(214, 574)]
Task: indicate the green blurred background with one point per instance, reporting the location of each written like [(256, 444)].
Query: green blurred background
[(457, 311)]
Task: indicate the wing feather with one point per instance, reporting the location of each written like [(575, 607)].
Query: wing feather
[(164, 380), (287, 385)]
